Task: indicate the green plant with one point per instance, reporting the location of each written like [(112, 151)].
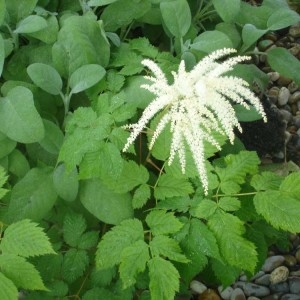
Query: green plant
[(127, 225)]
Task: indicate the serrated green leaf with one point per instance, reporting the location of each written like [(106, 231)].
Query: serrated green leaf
[(102, 277), (45, 77), (234, 248), (25, 238), (204, 209), (85, 77), (170, 186), (8, 290), (3, 179), (115, 81), (17, 111), (279, 209), (74, 264), (167, 247), (180, 204), (32, 197), (266, 181), (73, 227), (116, 240), (94, 196), (141, 196), (22, 273), (162, 222), (133, 262), (88, 240), (291, 185), (143, 45), (31, 24), (164, 279), (58, 288), (229, 203)]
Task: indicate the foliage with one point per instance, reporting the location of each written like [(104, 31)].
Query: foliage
[(126, 225)]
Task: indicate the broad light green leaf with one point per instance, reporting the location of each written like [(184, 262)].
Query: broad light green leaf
[(164, 279), (6, 145), (45, 77), (291, 185), (266, 181), (31, 24), (133, 262), (17, 112), (105, 204), (282, 18), (100, 2), (141, 196), (116, 240), (209, 41), (232, 31), (122, 13), (204, 209), (246, 115), (32, 197), (169, 186), (282, 61), (73, 227), (74, 264), (26, 239), (180, 204), (8, 290), (280, 210), (229, 203), (2, 50), (78, 35), (250, 35), (88, 240), (162, 222), (23, 274), (18, 163), (19, 9), (234, 248), (85, 77), (65, 183), (176, 16), (227, 9), (2, 12), (165, 246)]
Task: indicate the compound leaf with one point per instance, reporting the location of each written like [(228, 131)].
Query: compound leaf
[(291, 185), (141, 196), (73, 227), (8, 290)]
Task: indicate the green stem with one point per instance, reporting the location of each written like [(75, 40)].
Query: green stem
[(234, 195)]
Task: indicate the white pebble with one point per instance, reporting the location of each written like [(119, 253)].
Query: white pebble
[(197, 287)]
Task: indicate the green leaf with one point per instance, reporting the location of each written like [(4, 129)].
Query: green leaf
[(115, 81), (73, 227), (31, 24), (74, 264), (45, 77), (6, 145), (162, 222), (291, 185), (19, 9), (22, 273), (280, 210), (80, 34), (133, 262), (282, 18), (65, 183), (88, 240), (169, 186), (32, 197), (180, 204), (2, 50), (229, 203), (246, 115), (250, 35), (85, 77), (116, 240), (234, 248), (8, 290), (141, 196), (266, 181), (167, 247), (106, 205), (143, 45), (2, 12), (209, 41), (58, 288), (25, 238), (3, 179), (100, 2), (176, 16), (164, 279), (227, 9), (205, 209), (17, 111), (122, 13), (282, 61)]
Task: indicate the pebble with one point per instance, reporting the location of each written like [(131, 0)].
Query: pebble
[(294, 30), (279, 274), (290, 260), (273, 94), (286, 115), (251, 289), (263, 280), (272, 297), (209, 294), (252, 298), (293, 87), (281, 287), (283, 96), (295, 97), (290, 297), (273, 76), (197, 287), (297, 255), (237, 294), (226, 293), (294, 285)]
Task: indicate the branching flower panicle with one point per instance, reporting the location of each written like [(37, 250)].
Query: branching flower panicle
[(195, 104)]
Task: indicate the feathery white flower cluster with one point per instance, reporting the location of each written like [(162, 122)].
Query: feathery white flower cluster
[(195, 104)]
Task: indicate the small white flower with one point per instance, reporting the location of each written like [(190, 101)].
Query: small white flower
[(195, 104)]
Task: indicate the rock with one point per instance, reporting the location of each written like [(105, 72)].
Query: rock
[(284, 81), (297, 255), (209, 294), (281, 287), (263, 280), (290, 297), (251, 289), (252, 298), (272, 297), (295, 97), (197, 287), (294, 285), (279, 274), (293, 87), (295, 273), (237, 294), (273, 94), (294, 30), (286, 116), (283, 96), (290, 260), (273, 76), (226, 293)]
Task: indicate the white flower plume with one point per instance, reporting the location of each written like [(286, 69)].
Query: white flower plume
[(195, 104)]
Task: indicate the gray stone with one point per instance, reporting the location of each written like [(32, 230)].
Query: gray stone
[(237, 294), (281, 287), (226, 293), (197, 287), (295, 97), (290, 297), (297, 255), (294, 30), (283, 96), (252, 298), (257, 275), (263, 280), (279, 274), (251, 289), (272, 262), (239, 284), (287, 116), (294, 284), (272, 297)]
